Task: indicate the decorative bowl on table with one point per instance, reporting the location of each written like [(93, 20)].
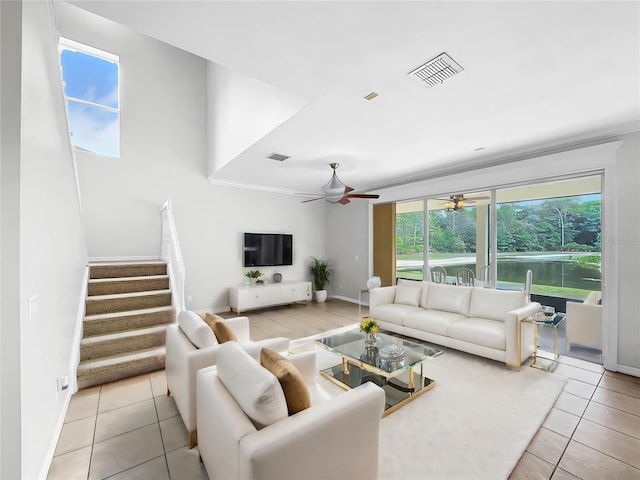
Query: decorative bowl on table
[(391, 357)]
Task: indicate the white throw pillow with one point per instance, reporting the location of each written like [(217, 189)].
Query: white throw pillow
[(449, 298), (196, 329), (256, 390), (408, 295), (494, 304)]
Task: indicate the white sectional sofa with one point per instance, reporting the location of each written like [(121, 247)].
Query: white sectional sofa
[(481, 321)]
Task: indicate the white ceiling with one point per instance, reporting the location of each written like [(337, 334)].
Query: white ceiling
[(536, 75)]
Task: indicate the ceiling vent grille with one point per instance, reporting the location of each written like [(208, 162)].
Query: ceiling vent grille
[(278, 157), (437, 70)]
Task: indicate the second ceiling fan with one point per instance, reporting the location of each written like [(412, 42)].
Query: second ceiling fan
[(337, 192)]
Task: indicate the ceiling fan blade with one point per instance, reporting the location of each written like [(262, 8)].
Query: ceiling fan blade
[(344, 200), (347, 189), (312, 200), (361, 195)]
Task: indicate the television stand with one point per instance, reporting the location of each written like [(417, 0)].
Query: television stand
[(245, 298)]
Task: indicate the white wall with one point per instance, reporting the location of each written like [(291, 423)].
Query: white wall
[(163, 155), (10, 395), (348, 248), (240, 111), (627, 242), (52, 252)]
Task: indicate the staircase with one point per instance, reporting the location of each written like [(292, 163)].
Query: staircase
[(127, 310)]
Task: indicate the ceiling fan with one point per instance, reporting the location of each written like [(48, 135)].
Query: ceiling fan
[(337, 192), (457, 202)]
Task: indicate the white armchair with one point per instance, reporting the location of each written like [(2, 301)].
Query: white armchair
[(183, 360), (335, 438), (584, 321)]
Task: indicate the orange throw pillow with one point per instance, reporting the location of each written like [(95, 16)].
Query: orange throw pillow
[(221, 330), (295, 390)]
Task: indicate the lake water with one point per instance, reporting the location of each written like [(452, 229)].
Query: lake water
[(557, 273)]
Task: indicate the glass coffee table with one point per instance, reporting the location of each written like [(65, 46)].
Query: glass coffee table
[(383, 364)]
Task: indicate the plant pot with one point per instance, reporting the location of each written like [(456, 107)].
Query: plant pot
[(320, 296)]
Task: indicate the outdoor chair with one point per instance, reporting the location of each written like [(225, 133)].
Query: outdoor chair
[(584, 322), (438, 274), (465, 277)]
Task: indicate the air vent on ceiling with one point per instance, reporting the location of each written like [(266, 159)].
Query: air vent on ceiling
[(278, 157), (437, 70)]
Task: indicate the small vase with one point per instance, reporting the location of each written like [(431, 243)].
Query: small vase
[(369, 338)]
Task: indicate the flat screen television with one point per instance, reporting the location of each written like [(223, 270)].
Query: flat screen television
[(268, 249)]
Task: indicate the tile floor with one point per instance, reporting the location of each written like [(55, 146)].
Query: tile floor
[(131, 429)]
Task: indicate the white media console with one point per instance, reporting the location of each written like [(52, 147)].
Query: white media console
[(268, 295)]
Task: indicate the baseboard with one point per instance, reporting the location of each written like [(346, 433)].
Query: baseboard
[(125, 259), (627, 370), (46, 464), (77, 337), (347, 299)]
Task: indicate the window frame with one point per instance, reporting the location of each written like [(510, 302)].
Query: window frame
[(73, 46)]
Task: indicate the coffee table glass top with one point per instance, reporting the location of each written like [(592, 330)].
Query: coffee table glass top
[(389, 355), (389, 364)]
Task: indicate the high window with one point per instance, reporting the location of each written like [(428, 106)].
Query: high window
[(91, 88)]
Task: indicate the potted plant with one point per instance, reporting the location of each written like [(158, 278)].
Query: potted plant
[(253, 275), (320, 272)]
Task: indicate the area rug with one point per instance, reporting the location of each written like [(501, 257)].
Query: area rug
[(474, 425)]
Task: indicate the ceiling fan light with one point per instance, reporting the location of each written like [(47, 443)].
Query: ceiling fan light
[(334, 187)]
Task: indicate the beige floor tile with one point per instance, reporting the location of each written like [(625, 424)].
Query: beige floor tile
[(174, 433), (617, 400), (621, 386), (576, 373), (83, 404), (71, 466), (622, 376), (611, 442), (155, 469), (125, 419), (589, 464), (531, 467), (571, 403), (581, 389), (613, 418), (560, 474), (158, 382), (561, 422), (272, 328), (548, 445), (125, 392), (184, 464), (577, 362), (165, 406), (125, 451), (76, 435)]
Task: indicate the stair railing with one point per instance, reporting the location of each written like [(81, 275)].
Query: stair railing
[(172, 255)]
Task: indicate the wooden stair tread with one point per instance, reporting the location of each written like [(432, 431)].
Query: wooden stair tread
[(124, 334), (128, 279), (114, 296), (127, 313), (94, 363)]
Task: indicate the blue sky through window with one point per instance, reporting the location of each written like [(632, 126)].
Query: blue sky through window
[(91, 88)]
